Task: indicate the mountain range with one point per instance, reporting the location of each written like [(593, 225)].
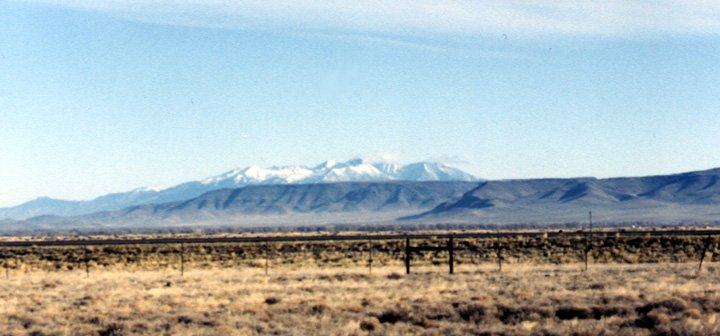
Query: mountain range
[(692, 197), (356, 170), (688, 198)]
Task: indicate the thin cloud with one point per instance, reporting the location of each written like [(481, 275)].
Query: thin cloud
[(383, 157), (429, 46), (450, 160), (411, 17)]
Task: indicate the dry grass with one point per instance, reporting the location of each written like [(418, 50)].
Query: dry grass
[(517, 250), (641, 299), (324, 288)]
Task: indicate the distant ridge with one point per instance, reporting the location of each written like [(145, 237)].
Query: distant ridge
[(356, 170), (686, 197), (691, 198)]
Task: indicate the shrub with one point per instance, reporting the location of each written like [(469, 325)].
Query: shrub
[(515, 315), (370, 324), (608, 311), (112, 330), (569, 313), (394, 315), (319, 308), (184, 319), (472, 312), (693, 313), (673, 305), (394, 276), (652, 320), (272, 300)]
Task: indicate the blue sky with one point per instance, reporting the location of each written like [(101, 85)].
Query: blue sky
[(103, 96)]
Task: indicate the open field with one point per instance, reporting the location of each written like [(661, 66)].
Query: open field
[(636, 285), (607, 247), (640, 299)]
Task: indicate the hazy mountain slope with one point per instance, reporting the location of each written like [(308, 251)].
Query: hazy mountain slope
[(669, 199), (355, 201), (41, 206), (693, 196), (329, 171)]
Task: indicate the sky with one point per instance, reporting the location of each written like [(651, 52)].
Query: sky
[(105, 96)]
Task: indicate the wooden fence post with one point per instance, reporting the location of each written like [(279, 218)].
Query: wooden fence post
[(451, 250), (87, 263), (267, 256), (499, 253), (182, 259), (708, 242), (407, 255), (370, 256), (587, 241), (139, 257)]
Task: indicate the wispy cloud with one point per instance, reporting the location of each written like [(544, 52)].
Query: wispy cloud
[(443, 46), (450, 159), (408, 17), (382, 157)]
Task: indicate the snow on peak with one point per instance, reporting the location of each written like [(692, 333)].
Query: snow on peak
[(357, 170), (326, 165), (353, 170), (431, 171), (145, 189), (334, 171)]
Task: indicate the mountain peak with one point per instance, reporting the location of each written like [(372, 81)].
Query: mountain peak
[(356, 162), (326, 165), (355, 170)]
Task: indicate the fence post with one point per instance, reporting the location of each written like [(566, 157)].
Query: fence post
[(139, 257), (708, 242), (267, 256), (370, 256), (87, 263), (499, 253), (182, 259), (407, 255), (451, 250), (587, 241)]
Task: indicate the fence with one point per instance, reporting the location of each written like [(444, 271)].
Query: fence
[(409, 238)]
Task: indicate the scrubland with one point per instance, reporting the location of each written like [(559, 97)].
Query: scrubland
[(477, 251), (634, 286), (657, 299)]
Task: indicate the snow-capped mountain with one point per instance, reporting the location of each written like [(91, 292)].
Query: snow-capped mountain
[(357, 170), (688, 198)]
